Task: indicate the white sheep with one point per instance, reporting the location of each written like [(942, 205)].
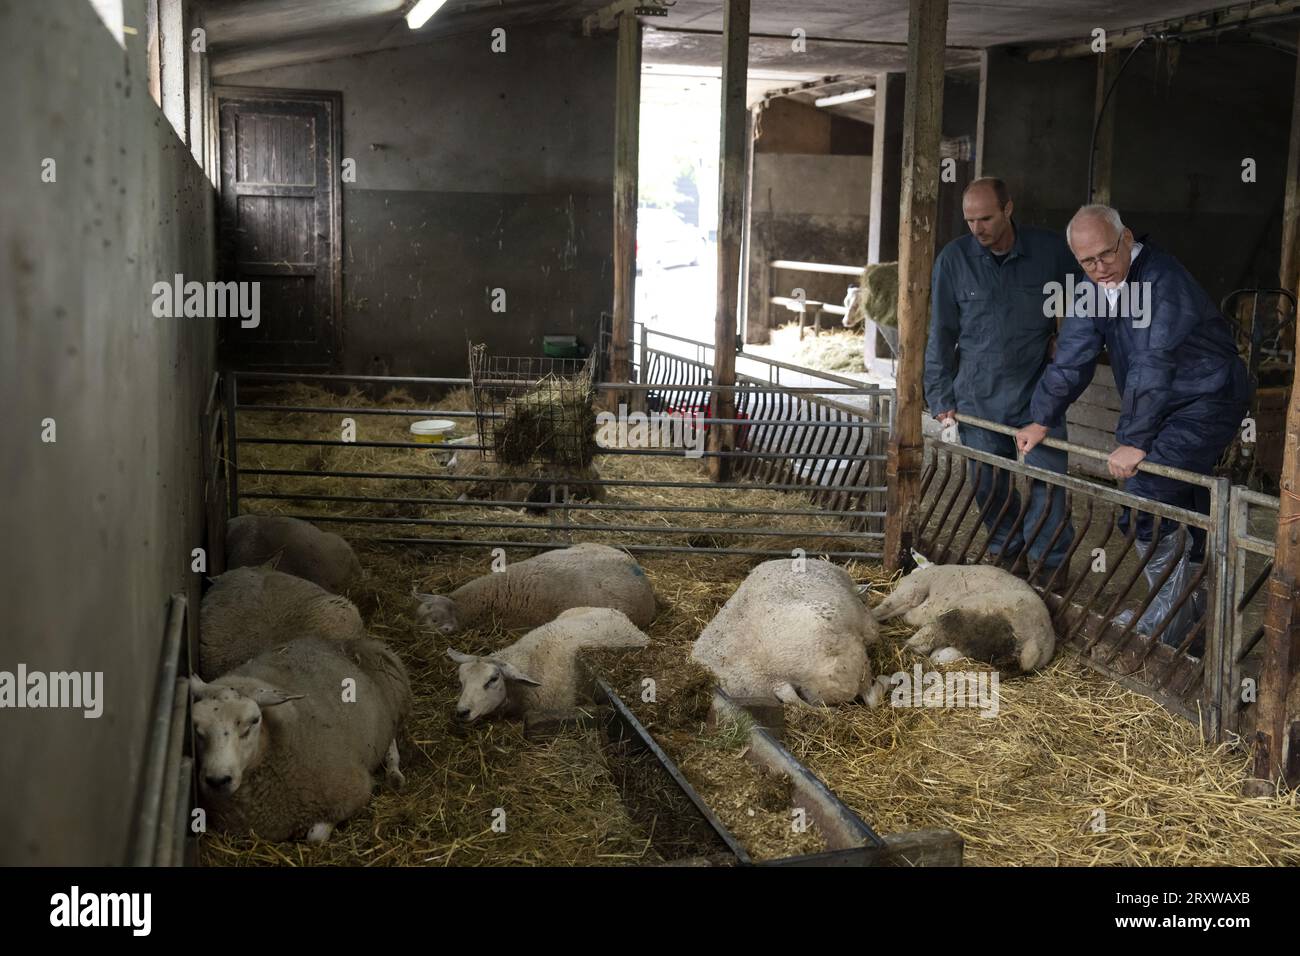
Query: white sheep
[(250, 610), (795, 630), (288, 741), (973, 611), (539, 671), (531, 592), (294, 547)]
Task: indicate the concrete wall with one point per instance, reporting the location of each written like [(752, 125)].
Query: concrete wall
[(475, 170), (98, 525), (1036, 130), (1179, 144), (1181, 132), (809, 208)]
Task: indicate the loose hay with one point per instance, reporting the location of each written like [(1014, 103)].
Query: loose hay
[(1028, 786)]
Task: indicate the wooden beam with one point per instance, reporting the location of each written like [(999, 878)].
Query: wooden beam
[(1108, 65), (886, 166), (1289, 273), (731, 215), (1277, 678), (627, 119), (923, 113), (1205, 24)]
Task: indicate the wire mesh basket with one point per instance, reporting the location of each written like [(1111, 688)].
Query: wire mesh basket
[(534, 410)]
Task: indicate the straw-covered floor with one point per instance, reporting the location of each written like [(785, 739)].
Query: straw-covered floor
[(1027, 787)]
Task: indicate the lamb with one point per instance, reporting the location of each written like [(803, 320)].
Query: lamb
[(539, 671), (974, 611), (532, 592), (302, 549), (250, 610), (287, 745), (795, 630)]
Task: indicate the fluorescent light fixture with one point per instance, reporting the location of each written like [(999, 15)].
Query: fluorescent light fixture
[(419, 14), (850, 97)]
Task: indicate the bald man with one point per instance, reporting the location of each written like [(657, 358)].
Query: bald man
[(1185, 389), (990, 338)]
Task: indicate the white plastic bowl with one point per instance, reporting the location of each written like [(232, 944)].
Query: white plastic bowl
[(431, 431)]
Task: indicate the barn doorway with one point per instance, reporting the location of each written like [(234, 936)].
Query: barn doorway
[(281, 225)]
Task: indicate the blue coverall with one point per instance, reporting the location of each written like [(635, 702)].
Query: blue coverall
[(1185, 389), (988, 346)]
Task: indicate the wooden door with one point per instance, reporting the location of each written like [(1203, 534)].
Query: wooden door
[(281, 225)]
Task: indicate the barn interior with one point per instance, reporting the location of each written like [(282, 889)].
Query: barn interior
[(396, 189)]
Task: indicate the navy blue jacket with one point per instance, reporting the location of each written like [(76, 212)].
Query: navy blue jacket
[(1180, 350), (988, 331)]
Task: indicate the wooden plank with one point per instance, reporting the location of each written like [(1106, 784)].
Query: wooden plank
[(1103, 396), (1092, 437), (1092, 417), (922, 117), (924, 848), (731, 215), (1277, 689), (627, 119)]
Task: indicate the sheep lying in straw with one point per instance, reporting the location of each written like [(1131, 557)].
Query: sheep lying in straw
[(539, 671), (531, 592), (294, 547), (974, 611), (795, 630), (287, 742), (251, 610)]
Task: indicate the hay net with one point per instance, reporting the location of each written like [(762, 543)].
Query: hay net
[(532, 410)]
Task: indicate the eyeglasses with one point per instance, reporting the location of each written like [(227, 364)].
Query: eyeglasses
[(1105, 259)]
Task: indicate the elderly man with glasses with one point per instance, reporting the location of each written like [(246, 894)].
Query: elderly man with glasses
[(1184, 388)]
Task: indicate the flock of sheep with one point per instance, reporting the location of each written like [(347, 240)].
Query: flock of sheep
[(295, 706)]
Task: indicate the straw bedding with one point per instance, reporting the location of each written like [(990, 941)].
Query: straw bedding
[(1022, 788)]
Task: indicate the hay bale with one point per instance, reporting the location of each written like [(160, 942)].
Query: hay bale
[(553, 422), (877, 297)]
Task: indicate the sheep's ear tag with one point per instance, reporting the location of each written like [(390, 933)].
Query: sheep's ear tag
[(921, 560)]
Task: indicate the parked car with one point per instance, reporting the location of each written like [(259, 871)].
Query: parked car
[(664, 240)]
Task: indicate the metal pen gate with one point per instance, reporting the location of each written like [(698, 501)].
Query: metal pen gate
[(1098, 580), (804, 440)]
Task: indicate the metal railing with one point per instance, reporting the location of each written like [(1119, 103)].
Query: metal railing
[(1098, 578), (1250, 562), (819, 440)]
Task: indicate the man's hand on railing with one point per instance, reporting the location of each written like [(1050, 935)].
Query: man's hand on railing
[(1123, 461), (1029, 437)]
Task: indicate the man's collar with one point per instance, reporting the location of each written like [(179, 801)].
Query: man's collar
[(976, 250)]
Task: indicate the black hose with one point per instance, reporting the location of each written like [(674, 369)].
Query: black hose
[(1096, 124)]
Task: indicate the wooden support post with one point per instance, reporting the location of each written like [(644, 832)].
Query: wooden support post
[(1277, 679), (627, 118), (1103, 159), (886, 169), (926, 33), (731, 210)]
